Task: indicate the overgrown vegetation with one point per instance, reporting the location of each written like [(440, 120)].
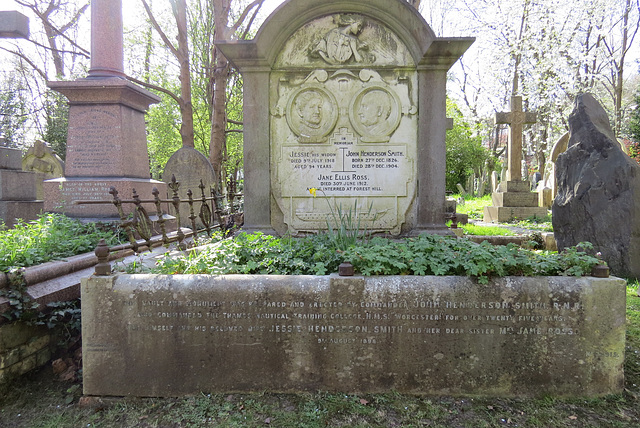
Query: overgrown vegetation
[(424, 255), (38, 400), (50, 237)]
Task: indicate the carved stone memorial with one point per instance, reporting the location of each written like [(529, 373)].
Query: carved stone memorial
[(350, 97), (106, 142)]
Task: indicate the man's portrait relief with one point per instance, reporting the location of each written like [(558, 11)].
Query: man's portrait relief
[(311, 114), (374, 113)]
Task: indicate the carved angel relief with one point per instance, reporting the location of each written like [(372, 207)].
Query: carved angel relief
[(340, 45)]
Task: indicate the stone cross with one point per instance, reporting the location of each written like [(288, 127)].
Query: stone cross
[(515, 118)]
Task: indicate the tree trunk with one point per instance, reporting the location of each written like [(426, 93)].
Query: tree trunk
[(220, 77), (186, 107)]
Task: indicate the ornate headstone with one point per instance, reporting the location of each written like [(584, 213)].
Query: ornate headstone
[(598, 191), (351, 97), (514, 198)]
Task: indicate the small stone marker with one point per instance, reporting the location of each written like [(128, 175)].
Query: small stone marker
[(189, 167), (513, 198)]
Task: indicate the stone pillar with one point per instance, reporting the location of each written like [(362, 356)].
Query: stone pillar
[(257, 169), (106, 39), (431, 151), (106, 142)]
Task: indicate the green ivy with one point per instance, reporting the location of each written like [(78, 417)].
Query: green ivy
[(424, 255)]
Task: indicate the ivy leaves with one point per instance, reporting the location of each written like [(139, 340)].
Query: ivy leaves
[(424, 255)]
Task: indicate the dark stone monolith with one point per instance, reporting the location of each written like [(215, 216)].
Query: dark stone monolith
[(598, 196)]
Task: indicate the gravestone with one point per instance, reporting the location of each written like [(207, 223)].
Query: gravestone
[(42, 161), (350, 96), (514, 198), (189, 167), (17, 188), (598, 191), (106, 142)]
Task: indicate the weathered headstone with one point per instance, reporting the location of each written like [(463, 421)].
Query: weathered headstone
[(351, 97), (514, 198), (42, 161), (18, 197), (190, 168), (598, 191), (106, 143)]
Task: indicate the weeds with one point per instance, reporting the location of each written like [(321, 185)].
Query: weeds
[(50, 237)]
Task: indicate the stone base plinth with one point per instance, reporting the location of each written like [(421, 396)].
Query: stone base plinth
[(172, 335), (10, 211), (61, 195), (514, 199), (505, 214)]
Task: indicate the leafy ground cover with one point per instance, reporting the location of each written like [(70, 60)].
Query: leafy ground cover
[(40, 401), (424, 255), (50, 237)]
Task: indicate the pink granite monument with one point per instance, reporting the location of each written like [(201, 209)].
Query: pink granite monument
[(106, 142)]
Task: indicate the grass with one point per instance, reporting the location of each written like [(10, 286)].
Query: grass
[(473, 229), (39, 401), (474, 208)]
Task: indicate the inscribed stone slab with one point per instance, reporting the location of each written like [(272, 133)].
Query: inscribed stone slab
[(167, 335)]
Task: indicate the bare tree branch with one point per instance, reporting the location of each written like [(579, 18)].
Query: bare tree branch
[(155, 24), (244, 14), (25, 58), (154, 87)]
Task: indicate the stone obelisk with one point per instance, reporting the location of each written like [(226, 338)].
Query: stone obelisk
[(106, 142)]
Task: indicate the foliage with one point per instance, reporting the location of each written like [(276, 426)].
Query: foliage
[(634, 129), (465, 153), (424, 255), (50, 237), (57, 122), (344, 227), (258, 254), (13, 109)]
